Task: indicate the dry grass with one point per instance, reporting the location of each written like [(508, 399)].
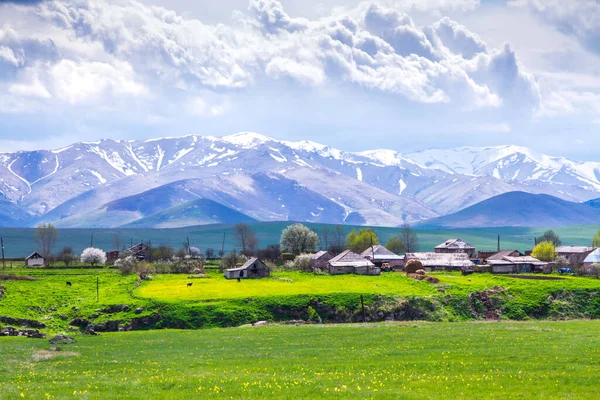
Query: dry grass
[(48, 355)]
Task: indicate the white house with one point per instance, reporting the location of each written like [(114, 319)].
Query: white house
[(34, 260)]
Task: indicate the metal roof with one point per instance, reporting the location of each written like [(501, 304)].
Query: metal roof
[(441, 259), (593, 257), (454, 244)]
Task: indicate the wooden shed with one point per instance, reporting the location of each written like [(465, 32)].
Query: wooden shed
[(35, 260), (252, 269)]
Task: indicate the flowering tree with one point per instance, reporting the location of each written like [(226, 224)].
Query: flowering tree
[(93, 256), (195, 252)]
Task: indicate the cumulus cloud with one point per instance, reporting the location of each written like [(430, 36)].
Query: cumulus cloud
[(580, 18), (94, 50)]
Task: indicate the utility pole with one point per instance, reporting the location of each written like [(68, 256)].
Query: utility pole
[(150, 250), (2, 244), (223, 246), (188, 243), (92, 241), (498, 243), (97, 289), (362, 304)]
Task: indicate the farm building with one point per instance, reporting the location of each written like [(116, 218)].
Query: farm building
[(592, 259), (379, 256), (456, 246), (35, 260), (511, 265), (252, 269), (141, 251), (320, 259), (349, 262), (441, 261), (499, 255), (575, 255), (112, 255)]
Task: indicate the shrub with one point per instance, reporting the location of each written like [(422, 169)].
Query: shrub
[(127, 264), (93, 256), (313, 316), (303, 262), (298, 239), (195, 252)]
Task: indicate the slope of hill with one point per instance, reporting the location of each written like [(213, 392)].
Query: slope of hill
[(87, 184), (195, 212), (520, 209)]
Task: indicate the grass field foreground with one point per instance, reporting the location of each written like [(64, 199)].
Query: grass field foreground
[(411, 360)]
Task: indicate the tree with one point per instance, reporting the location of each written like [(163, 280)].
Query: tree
[(45, 238), (67, 256), (163, 252), (549, 236), (324, 237), (93, 256), (361, 240), (181, 253), (297, 239), (231, 260), (338, 240), (395, 245), (544, 251), (195, 252), (409, 238), (596, 239), (210, 253), (245, 238), (117, 241)]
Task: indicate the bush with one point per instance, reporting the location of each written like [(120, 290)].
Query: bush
[(127, 264), (303, 262)]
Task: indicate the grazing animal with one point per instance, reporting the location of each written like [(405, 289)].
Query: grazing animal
[(190, 284), (69, 284)]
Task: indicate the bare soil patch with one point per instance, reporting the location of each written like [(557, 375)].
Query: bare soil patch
[(16, 278)]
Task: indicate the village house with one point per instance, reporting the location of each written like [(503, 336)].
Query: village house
[(320, 259), (515, 265), (574, 255), (456, 246), (141, 251), (380, 256), (35, 260), (252, 269), (349, 262), (441, 261)]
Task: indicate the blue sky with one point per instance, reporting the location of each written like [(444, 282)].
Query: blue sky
[(402, 74)]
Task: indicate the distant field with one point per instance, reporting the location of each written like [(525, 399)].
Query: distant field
[(19, 242), (414, 360)]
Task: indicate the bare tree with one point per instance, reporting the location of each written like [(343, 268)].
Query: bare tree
[(324, 237), (245, 237), (409, 238), (45, 238)]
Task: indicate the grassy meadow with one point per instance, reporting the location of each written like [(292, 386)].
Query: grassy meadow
[(19, 242), (411, 360)]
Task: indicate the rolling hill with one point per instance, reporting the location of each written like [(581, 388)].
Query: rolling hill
[(521, 209)]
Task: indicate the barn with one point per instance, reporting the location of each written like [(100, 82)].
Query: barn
[(141, 251), (575, 255), (379, 255), (252, 269), (349, 262), (441, 261), (513, 265), (456, 246), (35, 260)]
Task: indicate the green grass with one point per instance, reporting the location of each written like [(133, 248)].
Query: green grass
[(549, 360)]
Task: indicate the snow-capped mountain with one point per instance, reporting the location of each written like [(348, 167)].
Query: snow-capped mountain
[(114, 183)]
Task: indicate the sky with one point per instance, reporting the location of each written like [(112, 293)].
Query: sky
[(400, 74)]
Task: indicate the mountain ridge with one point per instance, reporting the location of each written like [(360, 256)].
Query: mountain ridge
[(70, 185)]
